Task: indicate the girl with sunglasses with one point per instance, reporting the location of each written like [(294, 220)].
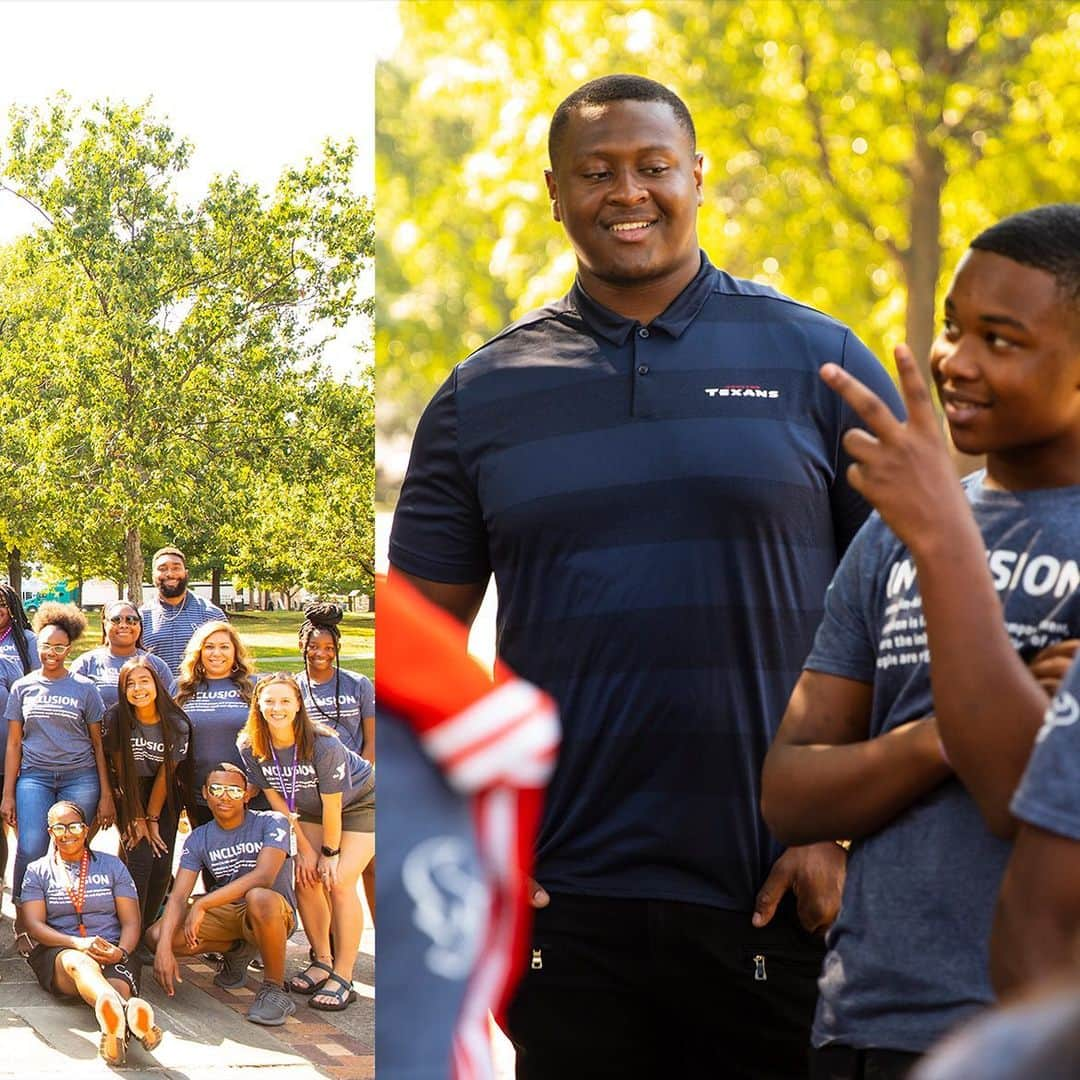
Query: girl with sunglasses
[(147, 737), (121, 635), (54, 748), (328, 793), (82, 915)]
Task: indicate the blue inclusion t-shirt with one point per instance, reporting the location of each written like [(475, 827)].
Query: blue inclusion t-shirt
[(55, 714), (167, 628), (9, 651), (101, 667), (107, 878), (1049, 793), (147, 743), (231, 853), (663, 508), (10, 670), (907, 955), (345, 712), (334, 768), (217, 712)]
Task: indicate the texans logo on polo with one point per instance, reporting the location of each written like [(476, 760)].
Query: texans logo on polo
[(742, 391)]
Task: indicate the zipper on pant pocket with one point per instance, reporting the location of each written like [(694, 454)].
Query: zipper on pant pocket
[(759, 968), (537, 961)]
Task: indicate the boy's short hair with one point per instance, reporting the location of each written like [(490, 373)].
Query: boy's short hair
[(1046, 238)]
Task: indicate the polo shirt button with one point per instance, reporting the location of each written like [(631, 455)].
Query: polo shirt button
[(643, 369), (643, 332)]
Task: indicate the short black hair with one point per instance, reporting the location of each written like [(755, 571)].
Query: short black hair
[(611, 88), (1046, 238)]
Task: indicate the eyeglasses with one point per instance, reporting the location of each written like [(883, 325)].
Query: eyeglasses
[(74, 828), (128, 620), (230, 790), (53, 648)]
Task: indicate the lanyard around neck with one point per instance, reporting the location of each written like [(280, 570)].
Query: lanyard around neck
[(290, 799), (77, 895)]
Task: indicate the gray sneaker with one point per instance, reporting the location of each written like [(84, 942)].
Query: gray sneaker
[(272, 1006), (233, 970)]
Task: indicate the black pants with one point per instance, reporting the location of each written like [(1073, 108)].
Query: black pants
[(835, 1062), (151, 873), (642, 988)]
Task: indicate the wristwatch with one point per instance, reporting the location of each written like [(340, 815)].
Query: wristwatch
[(330, 852)]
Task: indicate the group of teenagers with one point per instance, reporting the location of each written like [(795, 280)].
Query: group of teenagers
[(167, 717), (817, 802)]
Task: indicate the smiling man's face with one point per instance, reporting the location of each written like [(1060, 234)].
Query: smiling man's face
[(626, 185)]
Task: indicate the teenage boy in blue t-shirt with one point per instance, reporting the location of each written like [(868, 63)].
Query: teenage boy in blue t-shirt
[(247, 851), (920, 773)]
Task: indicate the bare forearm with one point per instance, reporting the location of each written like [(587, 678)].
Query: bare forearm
[(988, 704), (331, 822), (12, 758), (157, 794), (824, 792), (44, 934), (1027, 944), (461, 601), (238, 888)]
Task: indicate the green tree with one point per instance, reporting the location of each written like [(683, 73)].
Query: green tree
[(852, 150), (182, 340)]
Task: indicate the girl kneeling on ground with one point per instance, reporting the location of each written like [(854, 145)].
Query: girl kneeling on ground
[(328, 791), (81, 909)]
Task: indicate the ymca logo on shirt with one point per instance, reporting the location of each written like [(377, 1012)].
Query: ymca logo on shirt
[(449, 903), (1064, 711)]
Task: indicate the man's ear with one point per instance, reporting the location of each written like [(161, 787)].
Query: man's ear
[(553, 193)]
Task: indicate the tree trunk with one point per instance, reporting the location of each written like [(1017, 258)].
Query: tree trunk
[(215, 585), (78, 586), (14, 570), (133, 565), (922, 263)]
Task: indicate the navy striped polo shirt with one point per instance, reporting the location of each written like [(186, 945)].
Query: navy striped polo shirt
[(663, 507)]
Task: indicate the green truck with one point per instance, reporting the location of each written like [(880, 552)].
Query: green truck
[(58, 592)]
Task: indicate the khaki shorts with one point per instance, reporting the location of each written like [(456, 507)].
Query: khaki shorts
[(230, 922)]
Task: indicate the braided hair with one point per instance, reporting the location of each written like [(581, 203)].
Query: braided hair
[(19, 624), (320, 615)]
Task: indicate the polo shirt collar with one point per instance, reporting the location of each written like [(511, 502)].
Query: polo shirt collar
[(674, 319)]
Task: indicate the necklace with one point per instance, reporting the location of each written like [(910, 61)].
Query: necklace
[(77, 895), (177, 609), (7, 633)]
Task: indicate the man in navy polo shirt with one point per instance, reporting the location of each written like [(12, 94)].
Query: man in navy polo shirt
[(653, 472)]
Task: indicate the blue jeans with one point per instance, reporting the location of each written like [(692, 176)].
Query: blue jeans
[(35, 792)]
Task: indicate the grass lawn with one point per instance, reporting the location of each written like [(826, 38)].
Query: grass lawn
[(271, 637)]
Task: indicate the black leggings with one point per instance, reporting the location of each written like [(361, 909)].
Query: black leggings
[(152, 873)]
